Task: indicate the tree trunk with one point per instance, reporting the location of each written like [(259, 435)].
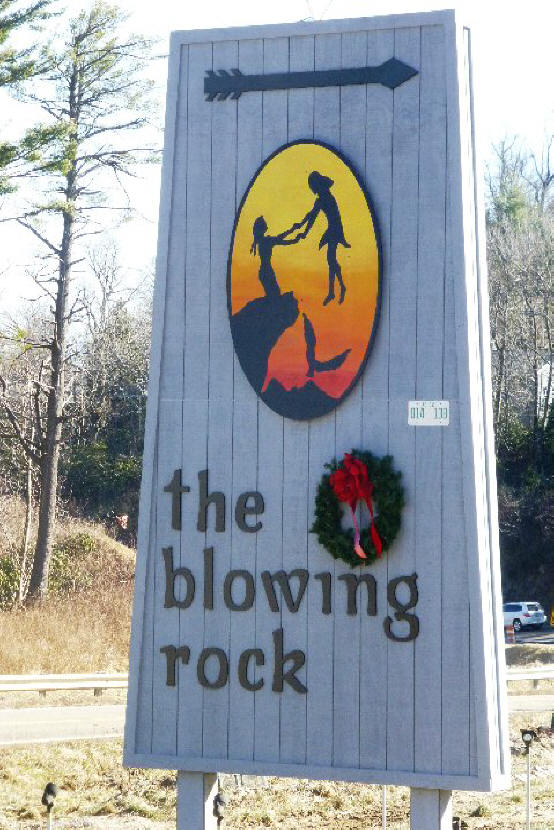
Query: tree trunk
[(26, 529), (38, 585), (498, 389), (547, 403)]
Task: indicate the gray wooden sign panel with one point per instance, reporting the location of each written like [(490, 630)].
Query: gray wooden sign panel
[(375, 422), (429, 712)]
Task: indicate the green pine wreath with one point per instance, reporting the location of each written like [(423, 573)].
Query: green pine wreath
[(388, 499)]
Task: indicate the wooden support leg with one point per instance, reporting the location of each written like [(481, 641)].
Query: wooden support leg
[(430, 809), (195, 800)]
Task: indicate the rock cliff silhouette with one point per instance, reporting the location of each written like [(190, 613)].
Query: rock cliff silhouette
[(308, 401), (256, 329)]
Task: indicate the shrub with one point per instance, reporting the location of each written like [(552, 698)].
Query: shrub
[(482, 811), (68, 555), (102, 482), (9, 581), (85, 558)]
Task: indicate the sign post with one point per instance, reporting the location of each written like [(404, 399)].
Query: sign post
[(430, 809), (317, 590), (195, 801)]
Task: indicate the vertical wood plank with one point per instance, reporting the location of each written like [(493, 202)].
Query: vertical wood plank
[(375, 391), (346, 676), (429, 386), (458, 710), (196, 376), (489, 727), (270, 448), (138, 723), (402, 379), (139, 718), (217, 623), (498, 657), (245, 430), (301, 101), (166, 621), (139, 715), (320, 726), (462, 227), (295, 458), (485, 726)]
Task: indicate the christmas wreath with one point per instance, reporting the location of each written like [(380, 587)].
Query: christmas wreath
[(360, 477)]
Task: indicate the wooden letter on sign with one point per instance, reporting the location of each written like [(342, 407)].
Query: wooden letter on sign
[(321, 288)]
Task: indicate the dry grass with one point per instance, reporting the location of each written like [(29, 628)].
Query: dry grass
[(12, 518), (91, 779), (85, 626), (107, 564), (99, 561), (529, 654), (80, 633), (94, 785)]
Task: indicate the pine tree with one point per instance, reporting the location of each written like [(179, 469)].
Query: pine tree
[(95, 96), (17, 66)]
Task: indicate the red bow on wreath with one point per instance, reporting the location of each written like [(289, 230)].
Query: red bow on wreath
[(351, 484)]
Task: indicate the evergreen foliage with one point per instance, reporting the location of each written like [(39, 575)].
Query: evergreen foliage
[(17, 66), (389, 498)]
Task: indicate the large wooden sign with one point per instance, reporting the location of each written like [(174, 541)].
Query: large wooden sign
[(320, 291)]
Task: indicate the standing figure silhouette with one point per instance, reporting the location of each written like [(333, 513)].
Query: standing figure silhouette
[(264, 245), (333, 236)]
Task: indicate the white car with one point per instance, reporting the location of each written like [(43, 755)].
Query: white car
[(523, 614)]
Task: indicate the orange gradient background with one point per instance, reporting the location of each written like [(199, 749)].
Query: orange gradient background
[(280, 194)]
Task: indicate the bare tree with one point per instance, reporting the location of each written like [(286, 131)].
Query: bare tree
[(112, 368), (95, 97), (521, 255), (21, 396)]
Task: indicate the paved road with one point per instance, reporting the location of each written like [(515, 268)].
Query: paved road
[(45, 724), (531, 703), (533, 635)]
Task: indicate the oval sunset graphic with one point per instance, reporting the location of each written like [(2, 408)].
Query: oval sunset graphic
[(303, 282)]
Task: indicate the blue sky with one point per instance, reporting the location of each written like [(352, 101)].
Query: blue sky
[(513, 76)]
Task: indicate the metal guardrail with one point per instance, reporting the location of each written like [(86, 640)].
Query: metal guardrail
[(43, 683), (118, 680), (535, 674)]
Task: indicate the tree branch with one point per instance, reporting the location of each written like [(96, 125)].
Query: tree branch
[(40, 236), (12, 418)]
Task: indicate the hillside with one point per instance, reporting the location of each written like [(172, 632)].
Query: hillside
[(84, 624)]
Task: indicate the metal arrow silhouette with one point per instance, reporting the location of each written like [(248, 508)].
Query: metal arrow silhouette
[(219, 85)]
